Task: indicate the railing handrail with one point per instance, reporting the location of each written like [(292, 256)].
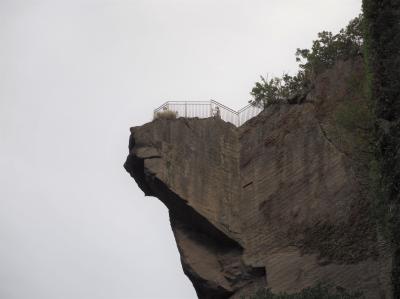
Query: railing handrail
[(233, 116), (161, 106), (223, 106), (246, 107)]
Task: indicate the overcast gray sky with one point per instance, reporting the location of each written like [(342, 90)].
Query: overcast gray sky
[(74, 76)]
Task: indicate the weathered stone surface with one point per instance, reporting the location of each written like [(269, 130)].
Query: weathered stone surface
[(273, 203)]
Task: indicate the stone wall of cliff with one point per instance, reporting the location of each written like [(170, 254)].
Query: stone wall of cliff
[(278, 202)]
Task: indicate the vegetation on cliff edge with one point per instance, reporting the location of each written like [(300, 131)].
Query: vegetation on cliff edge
[(325, 51), (376, 123), (382, 28)]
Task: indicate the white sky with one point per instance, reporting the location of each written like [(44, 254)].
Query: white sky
[(74, 76)]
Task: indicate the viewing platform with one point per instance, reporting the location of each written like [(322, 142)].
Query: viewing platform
[(205, 109)]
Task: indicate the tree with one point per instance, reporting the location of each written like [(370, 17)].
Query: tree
[(325, 51), (267, 91)]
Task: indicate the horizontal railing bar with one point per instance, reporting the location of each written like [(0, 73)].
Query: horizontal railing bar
[(188, 104), (227, 108), (208, 102), (246, 107)]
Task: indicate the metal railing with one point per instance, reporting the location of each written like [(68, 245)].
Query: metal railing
[(205, 109)]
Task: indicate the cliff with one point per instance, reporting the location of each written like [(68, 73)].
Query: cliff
[(279, 202)]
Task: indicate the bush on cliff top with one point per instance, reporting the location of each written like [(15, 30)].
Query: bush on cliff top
[(167, 114), (325, 51)]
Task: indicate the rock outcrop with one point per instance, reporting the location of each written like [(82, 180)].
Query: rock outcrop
[(275, 203)]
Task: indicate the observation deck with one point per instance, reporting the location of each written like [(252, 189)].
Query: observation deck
[(205, 109)]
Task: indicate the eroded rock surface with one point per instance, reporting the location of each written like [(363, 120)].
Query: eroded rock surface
[(273, 203)]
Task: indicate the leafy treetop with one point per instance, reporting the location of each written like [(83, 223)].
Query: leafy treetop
[(325, 51)]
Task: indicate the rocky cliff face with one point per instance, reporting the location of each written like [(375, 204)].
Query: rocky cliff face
[(276, 203)]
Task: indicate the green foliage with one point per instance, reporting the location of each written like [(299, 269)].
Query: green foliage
[(382, 28), (329, 48), (317, 292), (268, 91), (383, 38), (272, 91), (325, 51)]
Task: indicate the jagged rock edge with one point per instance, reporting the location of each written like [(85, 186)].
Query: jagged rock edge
[(191, 220)]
